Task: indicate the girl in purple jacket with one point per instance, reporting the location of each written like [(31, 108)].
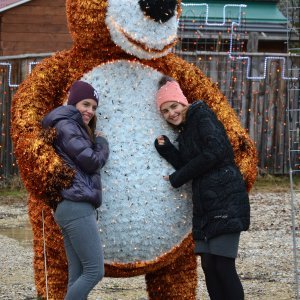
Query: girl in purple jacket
[(77, 145)]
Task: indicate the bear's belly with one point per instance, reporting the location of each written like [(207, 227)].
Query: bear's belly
[(142, 217)]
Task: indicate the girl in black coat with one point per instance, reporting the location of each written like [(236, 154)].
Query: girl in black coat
[(220, 201)]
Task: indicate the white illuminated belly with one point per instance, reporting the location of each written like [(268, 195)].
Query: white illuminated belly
[(142, 216)]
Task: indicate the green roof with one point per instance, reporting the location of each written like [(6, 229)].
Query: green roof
[(255, 12)]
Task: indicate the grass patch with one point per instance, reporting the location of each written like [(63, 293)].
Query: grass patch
[(275, 183), (12, 190), (12, 197), (13, 193), (11, 183)]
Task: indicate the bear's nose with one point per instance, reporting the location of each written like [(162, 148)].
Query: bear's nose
[(158, 10)]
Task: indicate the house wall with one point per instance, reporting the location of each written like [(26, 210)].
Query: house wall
[(38, 26)]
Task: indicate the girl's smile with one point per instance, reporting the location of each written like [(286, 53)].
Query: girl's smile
[(87, 108), (172, 112)]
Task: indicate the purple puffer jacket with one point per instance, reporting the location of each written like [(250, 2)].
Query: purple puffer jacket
[(75, 147)]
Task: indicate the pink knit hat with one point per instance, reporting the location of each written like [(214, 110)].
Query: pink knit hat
[(170, 91)]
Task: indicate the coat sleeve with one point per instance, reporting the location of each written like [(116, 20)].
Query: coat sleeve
[(213, 150), (169, 152), (103, 149), (88, 156)]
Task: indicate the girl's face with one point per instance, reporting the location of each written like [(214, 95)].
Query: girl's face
[(173, 112), (87, 108)]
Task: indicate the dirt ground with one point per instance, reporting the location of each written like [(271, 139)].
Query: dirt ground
[(265, 261)]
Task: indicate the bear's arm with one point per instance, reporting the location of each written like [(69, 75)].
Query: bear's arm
[(42, 171)]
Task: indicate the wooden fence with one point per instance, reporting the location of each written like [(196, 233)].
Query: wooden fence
[(268, 108)]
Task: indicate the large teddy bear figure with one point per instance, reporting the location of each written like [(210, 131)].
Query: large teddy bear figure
[(122, 48)]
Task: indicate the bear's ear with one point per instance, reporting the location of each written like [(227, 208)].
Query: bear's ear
[(86, 23), (159, 11)]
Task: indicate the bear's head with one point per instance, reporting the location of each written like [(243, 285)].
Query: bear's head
[(144, 28)]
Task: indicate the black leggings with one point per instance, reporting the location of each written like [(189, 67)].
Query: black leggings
[(222, 280)]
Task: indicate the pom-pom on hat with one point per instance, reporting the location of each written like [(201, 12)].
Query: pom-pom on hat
[(170, 91), (81, 90)]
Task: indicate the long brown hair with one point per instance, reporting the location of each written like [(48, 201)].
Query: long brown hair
[(91, 127), (184, 113)]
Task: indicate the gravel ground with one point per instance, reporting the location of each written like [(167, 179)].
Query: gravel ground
[(265, 261)]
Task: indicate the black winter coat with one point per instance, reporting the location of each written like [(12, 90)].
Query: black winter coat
[(205, 156), (74, 146)]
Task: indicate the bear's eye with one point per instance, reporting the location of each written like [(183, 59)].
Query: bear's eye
[(158, 10)]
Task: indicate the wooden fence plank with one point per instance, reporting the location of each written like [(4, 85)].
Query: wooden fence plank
[(36, 37), (28, 46), (24, 19), (38, 10), (33, 28)]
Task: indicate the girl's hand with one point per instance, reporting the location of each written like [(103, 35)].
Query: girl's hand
[(160, 140), (166, 178), (99, 133)]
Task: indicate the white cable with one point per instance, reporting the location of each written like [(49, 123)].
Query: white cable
[(45, 255)]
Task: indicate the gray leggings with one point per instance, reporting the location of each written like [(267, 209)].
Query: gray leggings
[(84, 253)]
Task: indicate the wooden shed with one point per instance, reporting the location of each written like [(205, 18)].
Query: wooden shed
[(36, 26), (40, 26), (258, 22)]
